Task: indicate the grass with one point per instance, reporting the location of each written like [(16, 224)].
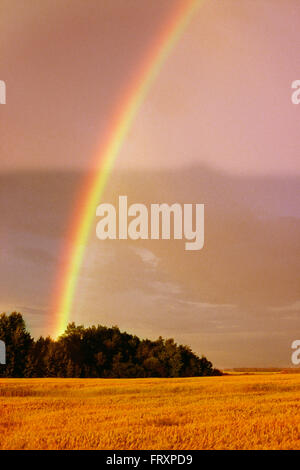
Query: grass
[(259, 411)]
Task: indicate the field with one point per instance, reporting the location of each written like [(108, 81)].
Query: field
[(258, 411)]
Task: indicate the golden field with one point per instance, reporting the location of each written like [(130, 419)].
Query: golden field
[(259, 411)]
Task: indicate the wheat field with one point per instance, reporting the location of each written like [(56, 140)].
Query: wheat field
[(259, 411)]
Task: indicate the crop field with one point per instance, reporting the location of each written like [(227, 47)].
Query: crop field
[(256, 411)]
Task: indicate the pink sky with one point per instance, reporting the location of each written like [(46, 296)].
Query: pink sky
[(222, 98)]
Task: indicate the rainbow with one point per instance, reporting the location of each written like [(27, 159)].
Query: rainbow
[(81, 223)]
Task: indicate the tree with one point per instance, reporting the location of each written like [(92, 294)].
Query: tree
[(18, 343), (96, 351)]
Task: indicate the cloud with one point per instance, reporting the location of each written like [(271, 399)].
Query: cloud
[(147, 256), (205, 305), (293, 307)]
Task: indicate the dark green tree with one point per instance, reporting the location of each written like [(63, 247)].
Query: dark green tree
[(18, 344), (96, 351)]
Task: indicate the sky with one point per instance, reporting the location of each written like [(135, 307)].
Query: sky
[(223, 96), (217, 127)]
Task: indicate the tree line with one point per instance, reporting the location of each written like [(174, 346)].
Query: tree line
[(96, 351)]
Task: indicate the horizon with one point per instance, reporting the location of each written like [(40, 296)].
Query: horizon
[(218, 126), (266, 368)]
